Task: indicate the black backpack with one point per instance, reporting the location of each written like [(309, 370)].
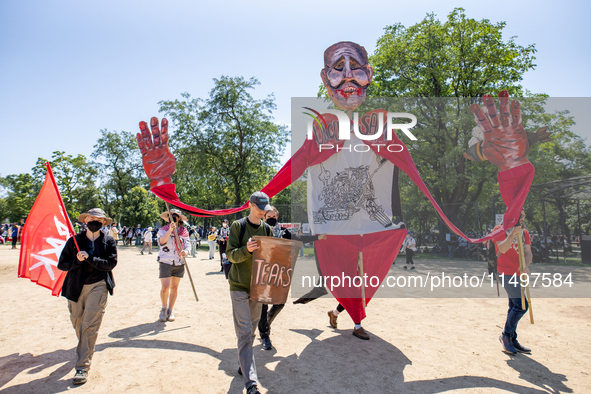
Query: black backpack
[(243, 228)]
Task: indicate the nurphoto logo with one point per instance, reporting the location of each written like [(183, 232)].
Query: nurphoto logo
[(369, 128)]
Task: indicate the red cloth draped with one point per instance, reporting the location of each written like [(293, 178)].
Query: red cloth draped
[(514, 183), (338, 257)]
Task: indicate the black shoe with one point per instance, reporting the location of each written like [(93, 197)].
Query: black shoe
[(253, 390), (405, 267), (412, 267), (518, 346), (239, 371), (80, 378), (507, 344), (267, 343)]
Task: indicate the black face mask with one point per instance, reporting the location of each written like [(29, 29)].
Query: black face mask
[(272, 221), (175, 218), (94, 226)]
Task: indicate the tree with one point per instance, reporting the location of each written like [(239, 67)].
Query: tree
[(459, 58), (227, 145), (139, 207), (121, 167), (75, 178), (22, 192)]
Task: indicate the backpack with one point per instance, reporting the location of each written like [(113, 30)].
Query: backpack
[(243, 229)]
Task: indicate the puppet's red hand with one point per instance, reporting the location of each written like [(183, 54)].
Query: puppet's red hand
[(159, 163), (506, 144)]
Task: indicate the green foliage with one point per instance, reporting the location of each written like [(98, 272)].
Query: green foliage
[(139, 207), (22, 192), (460, 57), (120, 168), (75, 178), (227, 145)]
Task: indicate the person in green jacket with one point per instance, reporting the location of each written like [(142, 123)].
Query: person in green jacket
[(245, 311)]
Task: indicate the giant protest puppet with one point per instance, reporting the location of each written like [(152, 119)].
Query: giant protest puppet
[(364, 228)]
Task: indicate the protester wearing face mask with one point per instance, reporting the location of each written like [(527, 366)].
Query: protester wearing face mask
[(269, 314), (170, 257), (223, 241), (88, 262)]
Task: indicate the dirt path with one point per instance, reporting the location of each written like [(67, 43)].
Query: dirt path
[(416, 346)]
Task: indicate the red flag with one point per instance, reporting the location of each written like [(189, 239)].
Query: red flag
[(44, 235)]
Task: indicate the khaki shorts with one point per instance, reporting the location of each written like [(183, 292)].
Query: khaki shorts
[(168, 270)]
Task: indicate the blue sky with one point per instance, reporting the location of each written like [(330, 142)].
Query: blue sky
[(71, 68)]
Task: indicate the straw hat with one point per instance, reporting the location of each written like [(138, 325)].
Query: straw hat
[(166, 218), (96, 212)]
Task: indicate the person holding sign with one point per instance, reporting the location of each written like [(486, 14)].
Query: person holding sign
[(268, 315), (508, 265), (245, 311)]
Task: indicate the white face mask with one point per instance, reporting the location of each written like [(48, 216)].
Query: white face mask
[(225, 225)]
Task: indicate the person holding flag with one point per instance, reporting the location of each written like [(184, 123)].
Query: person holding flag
[(88, 260)]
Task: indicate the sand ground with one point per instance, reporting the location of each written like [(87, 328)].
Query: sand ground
[(416, 346)]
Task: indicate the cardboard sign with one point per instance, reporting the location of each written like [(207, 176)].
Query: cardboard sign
[(272, 269)]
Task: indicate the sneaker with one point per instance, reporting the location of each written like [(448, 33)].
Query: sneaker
[(162, 316), (253, 390), (507, 344), (80, 378), (412, 267), (169, 315), (267, 343), (360, 333), (142, 253), (149, 252), (332, 319), (405, 267), (518, 346)]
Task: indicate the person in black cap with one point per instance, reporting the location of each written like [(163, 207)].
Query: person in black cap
[(246, 312), (88, 282)]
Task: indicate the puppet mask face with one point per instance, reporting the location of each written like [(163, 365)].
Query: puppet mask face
[(346, 74)]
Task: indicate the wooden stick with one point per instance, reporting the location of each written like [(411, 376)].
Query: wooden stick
[(177, 241), (521, 268), (362, 276)]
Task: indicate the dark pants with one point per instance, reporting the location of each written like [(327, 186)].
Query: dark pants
[(222, 248), (409, 254), (267, 317), (515, 312)]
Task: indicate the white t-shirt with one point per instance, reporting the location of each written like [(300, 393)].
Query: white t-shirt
[(350, 192), (410, 243), (148, 236)]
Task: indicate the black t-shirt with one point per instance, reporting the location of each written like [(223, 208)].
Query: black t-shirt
[(92, 274)]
